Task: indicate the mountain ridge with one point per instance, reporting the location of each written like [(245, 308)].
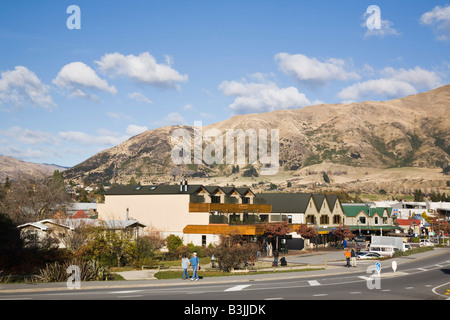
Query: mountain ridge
[(411, 131)]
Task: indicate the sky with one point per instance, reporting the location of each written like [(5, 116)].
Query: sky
[(78, 80)]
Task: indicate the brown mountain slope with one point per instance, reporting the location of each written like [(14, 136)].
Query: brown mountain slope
[(409, 132), (14, 168)]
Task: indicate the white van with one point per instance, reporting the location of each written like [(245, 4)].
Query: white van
[(382, 249)]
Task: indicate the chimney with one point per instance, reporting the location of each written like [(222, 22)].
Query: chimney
[(127, 213), (181, 185), (185, 185)]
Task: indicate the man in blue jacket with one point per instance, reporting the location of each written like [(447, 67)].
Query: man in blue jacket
[(195, 263)]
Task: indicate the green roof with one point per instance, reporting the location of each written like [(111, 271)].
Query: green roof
[(354, 210)]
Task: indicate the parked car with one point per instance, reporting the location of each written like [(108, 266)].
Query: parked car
[(367, 255), (406, 247), (383, 250), (425, 243)]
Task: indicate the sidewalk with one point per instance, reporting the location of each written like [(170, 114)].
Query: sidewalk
[(335, 265)]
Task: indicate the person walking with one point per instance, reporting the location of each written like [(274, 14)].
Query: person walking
[(353, 258), (347, 256), (185, 265), (195, 263)]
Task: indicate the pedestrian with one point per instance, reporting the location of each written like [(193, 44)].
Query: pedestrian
[(267, 249), (185, 265), (353, 258), (347, 256), (195, 263), (270, 249)]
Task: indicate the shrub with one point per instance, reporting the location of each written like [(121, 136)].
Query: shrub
[(57, 272)]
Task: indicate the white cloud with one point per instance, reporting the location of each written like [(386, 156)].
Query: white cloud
[(77, 77), (142, 68), (439, 19), (134, 130), (262, 97), (139, 97), (16, 152), (86, 139), (387, 29), (174, 118), (393, 84), (28, 136), (20, 87), (312, 70)]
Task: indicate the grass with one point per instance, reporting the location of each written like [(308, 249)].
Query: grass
[(207, 274)]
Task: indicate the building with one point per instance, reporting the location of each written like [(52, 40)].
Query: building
[(323, 212), (200, 214), (195, 213), (57, 232), (365, 220)]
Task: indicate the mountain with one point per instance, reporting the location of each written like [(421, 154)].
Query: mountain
[(14, 168), (340, 139)]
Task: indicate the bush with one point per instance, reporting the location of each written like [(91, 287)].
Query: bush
[(57, 272)]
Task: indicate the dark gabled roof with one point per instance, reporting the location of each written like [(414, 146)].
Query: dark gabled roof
[(153, 189), (331, 198), (287, 202), (318, 199)]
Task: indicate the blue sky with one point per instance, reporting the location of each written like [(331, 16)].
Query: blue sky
[(66, 94)]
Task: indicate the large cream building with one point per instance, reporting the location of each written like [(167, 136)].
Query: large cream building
[(199, 214)]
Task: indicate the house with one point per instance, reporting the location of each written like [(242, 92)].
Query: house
[(410, 227), (57, 231), (323, 212), (365, 220)]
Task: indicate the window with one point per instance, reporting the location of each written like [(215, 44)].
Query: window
[(336, 219), (324, 219), (245, 200), (215, 199), (310, 219), (376, 220), (362, 220), (203, 240)]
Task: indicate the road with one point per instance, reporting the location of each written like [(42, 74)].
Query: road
[(420, 279)]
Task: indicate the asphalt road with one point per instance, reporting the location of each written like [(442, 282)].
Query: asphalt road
[(417, 279)]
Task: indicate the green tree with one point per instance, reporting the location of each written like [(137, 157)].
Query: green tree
[(418, 195), (173, 242)]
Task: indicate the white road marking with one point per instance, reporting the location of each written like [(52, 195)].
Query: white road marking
[(320, 294), (238, 288), (314, 283)]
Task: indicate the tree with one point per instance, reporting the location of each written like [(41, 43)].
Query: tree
[(109, 246), (32, 199), (306, 232), (342, 231), (233, 251), (418, 195), (278, 229), (326, 178)]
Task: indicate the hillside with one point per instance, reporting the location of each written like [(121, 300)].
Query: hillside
[(14, 168), (411, 132)]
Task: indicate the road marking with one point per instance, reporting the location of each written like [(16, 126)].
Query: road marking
[(408, 288), (131, 296), (314, 283), (320, 294), (125, 291), (238, 288), (280, 298), (355, 292)]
